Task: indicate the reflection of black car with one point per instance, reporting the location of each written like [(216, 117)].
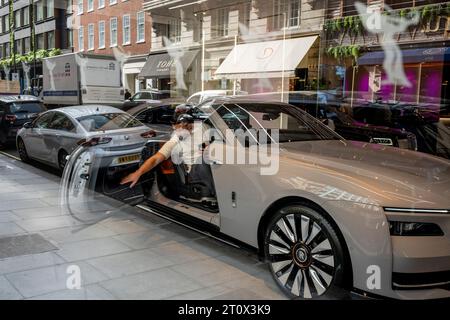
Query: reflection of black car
[(15, 111), (157, 116), (422, 121), (151, 96), (327, 109)]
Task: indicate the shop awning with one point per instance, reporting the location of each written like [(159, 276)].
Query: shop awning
[(133, 67), (163, 65), (270, 59), (441, 54)]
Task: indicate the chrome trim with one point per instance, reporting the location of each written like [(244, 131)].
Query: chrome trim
[(421, 285), (415, 210)]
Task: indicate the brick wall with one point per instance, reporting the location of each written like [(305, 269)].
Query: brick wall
[(121, 8)]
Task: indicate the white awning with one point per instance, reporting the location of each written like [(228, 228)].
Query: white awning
[(270, 59), (133, 67)]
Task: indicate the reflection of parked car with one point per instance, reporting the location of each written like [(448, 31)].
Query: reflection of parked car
[(330, 211), (56, 133), (157, 116), (421, 120), (327, 108), (151, 96), (14, 112), (201, 96)]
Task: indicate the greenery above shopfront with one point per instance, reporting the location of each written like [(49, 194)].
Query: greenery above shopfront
[(352, 26), (29, 57)]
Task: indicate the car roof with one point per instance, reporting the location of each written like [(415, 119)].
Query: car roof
[(19, 98), (86, 110), (242, 100)]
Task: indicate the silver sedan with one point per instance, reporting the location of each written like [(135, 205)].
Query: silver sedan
[(55, 134)]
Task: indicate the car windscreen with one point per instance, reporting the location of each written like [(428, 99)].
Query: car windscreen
[(290, 123), (108, 121), (26, 107)]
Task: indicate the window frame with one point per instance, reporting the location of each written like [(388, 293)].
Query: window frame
[(101, 23), (81, 36), (128, 16), (138, 24), (111, 44), (91, 33)]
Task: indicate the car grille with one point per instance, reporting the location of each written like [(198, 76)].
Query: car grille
[(417, 281)]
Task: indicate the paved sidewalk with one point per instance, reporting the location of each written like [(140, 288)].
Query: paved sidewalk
[(125, 254)]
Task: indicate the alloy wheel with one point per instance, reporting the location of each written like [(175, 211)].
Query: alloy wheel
[(301, 255)]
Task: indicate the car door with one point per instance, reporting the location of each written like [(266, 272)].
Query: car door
[(237, 179), (34, 139), (60, 135)]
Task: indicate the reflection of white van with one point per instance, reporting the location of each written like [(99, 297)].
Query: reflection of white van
[(76, 78), (201, 96)]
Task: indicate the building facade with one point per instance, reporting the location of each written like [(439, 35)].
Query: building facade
[(209, 31), (51, 26), (423, 44), (101, 26)]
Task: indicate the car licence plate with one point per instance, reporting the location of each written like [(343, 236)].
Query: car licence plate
[(129, 158)]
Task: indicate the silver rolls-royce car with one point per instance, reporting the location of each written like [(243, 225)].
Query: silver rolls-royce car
[(325, 213), (53, 136)]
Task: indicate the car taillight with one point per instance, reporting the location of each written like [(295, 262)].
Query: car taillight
[(91, 142), (148, 134), (10, 117)]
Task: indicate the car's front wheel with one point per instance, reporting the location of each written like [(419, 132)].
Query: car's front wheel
[(304, 253), (22, 150)]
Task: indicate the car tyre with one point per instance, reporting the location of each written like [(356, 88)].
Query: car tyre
[(62, 160), (304, 254), (22, 150)]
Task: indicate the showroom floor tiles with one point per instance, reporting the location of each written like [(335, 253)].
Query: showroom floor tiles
[(120, 252)]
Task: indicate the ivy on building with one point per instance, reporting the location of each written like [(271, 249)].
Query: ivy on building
[(353, 26), (29, 57)]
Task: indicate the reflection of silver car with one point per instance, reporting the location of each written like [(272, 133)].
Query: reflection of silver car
[(335, 214), (56, 133)]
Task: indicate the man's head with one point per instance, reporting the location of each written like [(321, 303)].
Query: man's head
[(184, 121)]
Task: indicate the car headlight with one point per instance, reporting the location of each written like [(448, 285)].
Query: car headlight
[(417, 229)]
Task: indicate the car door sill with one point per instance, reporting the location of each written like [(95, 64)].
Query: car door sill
[(195, 224)]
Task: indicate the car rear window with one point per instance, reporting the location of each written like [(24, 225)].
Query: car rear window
[(26, 107), (108, 121)]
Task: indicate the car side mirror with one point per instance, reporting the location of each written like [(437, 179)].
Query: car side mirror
[(28, 125)]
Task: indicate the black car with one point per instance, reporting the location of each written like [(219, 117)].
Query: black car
[(421, 120), (15, 111), (154, 97), (158, 116), (328, 109)]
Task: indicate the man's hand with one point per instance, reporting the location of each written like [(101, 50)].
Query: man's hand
[(132, 177)]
